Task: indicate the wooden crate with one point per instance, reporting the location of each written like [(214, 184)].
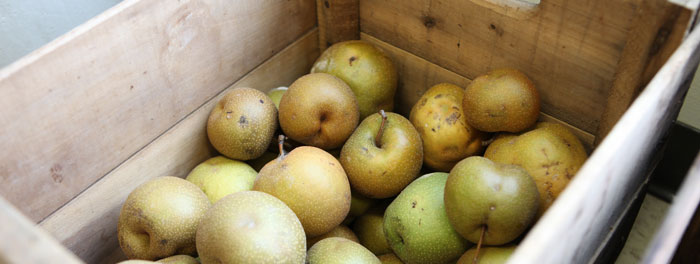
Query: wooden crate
[(124, 98)]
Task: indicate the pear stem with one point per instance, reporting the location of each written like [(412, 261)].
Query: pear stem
[(478, 245), (280, 143), (377, 139)]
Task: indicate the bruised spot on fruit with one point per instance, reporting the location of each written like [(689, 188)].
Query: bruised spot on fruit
[(420, 220), (352, 58), (163, 242), (413, 204), (249, 151), (261, 101), (433, 129), (365, 149), (452, 119), (242, 121), (423, 102), (438, 96)]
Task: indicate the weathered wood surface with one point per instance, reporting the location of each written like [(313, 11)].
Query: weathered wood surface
[(78, 107), (338, 20), (574, 227), (87, 225)]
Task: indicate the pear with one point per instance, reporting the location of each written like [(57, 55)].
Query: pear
[(383, 155), (370, 230), (447, 137), (242, 124), (159, 218), (338, 250), (312, 183), (501, 100), (389, 258), (220, 176), (550, 153), (359, 204), (136, 261), (319, 110), (266, 157), (416, 225), (251, 227), (179, 259), (490, 202), (339, 231), (276, 95), (368, 71), (487, 255)]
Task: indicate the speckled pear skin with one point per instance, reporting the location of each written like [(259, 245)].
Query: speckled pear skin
[(488, 255), (178, 259), (338, 250), (242, 124), (501, 197), (368, 71), (442, 125), (319, 110), (382, 171), (339, 231), (251, 227), (312, 183), (220, 176), (550, 153), (389, 258), (416, 224), (501, 100), (159, 218), (369, 229)]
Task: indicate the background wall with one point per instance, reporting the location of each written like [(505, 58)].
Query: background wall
[(26, 25)]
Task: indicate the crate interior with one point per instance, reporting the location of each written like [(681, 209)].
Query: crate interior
[(570, 49)]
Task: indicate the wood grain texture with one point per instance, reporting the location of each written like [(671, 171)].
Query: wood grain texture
[(569, 48), (417, 75), (24, 242), (595, 198), (78, 107), (338, 20), (87, 225), (658, 29), (670, 238)]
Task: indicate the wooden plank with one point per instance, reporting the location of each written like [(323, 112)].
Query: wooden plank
[(338, 20), (23, 242), (595, 198), (658, 29), (87, 225), (569, 48), (78, 107), (667, 239), (417, 75)]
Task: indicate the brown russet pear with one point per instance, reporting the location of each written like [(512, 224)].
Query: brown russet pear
[(501, 100), (369, 229), (339, 231), (319, 110), (242, 124), (490, 202), (447, 137), (550, 153), (383, 155), (368, 71), (416, 225), (338, 250), (251, 227), (159, 218), (312, 183), (487, 255)]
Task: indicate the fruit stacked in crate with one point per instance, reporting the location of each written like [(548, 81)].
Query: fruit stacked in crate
[(325, 172)]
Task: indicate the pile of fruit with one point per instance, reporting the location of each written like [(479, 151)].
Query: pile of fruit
[(301, 179)]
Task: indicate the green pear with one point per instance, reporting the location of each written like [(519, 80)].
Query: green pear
[(389, 258), (338, 250), (366, 69), (416, 224), (490, 202), (339, 231), (370, 230), (276, 95), (251, 227), (312, 183), (159, 218), (488, 255), (179, 259), (242, 124), (220, 176), (383, 155)]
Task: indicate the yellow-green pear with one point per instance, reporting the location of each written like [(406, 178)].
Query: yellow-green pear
[(338, 250), (159, 218), (220, 176), (178, 259), (390, 258), (339, 231), (487, 255), (276, 95)]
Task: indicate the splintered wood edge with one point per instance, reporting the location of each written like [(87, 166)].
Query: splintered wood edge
[(88, 224), (24, 242), (415, 85), (594, 199)]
